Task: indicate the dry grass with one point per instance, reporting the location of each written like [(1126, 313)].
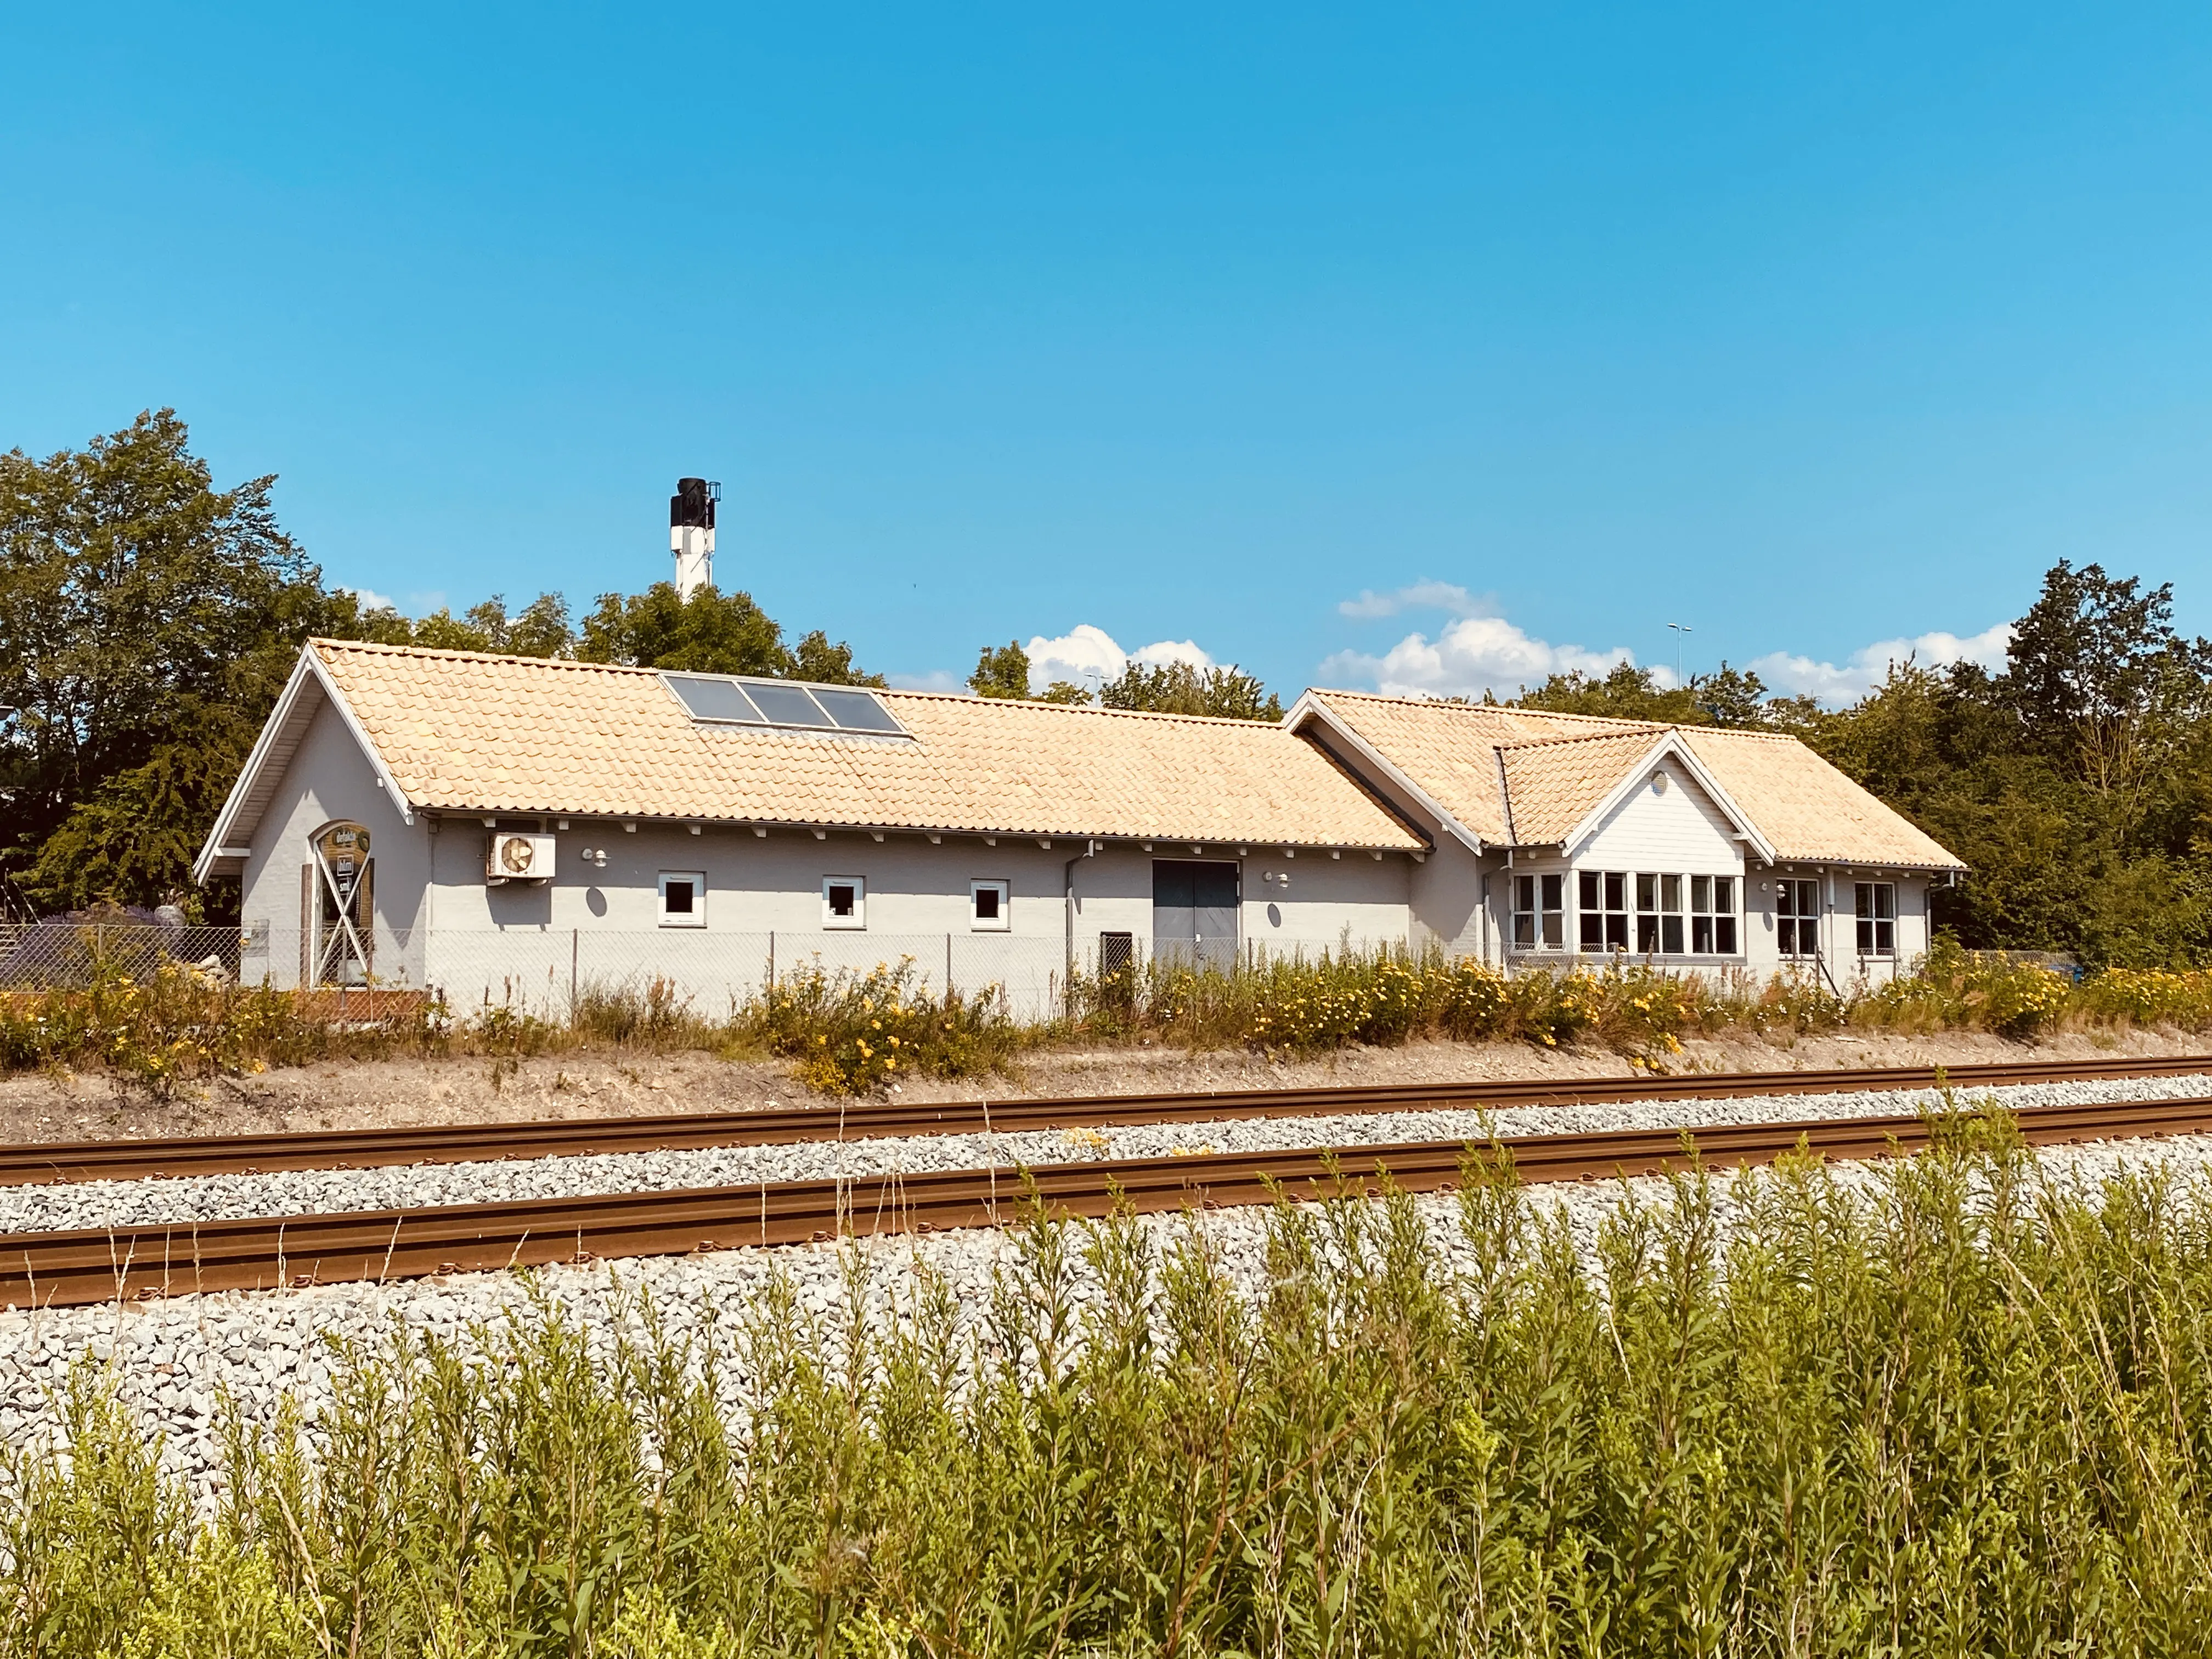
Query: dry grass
[(854, 1033)]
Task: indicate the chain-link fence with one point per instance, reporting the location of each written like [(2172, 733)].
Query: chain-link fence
[(546, 972), (43, 955)]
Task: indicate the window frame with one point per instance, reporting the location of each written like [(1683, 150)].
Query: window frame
[(1001, 923), (1715, 929), (858, 921), (697, 917), (1874, 906), (1602, 911), (1545, 913), (1794, 921)]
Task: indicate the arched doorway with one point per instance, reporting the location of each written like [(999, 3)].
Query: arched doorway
[(341, 933)]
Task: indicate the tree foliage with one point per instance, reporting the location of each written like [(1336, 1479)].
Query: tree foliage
[(710, 633), (2077, 784), (149, 619), (1731, 697), (1177, 687)]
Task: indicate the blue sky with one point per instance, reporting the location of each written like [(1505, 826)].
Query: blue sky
[(1420, 347)]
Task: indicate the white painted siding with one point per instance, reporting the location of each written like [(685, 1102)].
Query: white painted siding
[(330, 779), (531, 943), (1678, 829)]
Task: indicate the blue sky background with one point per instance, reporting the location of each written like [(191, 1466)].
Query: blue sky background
[(1813, 331)]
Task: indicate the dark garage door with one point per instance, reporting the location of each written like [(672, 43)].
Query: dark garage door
[(1194, 913)]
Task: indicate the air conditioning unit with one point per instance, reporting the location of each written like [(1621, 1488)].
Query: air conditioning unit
[(517, 857)]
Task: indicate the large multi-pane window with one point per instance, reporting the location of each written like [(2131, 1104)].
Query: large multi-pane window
[(1540, 911), (1656, 913), (1797, 917), (1603, 909), (1877, 918)]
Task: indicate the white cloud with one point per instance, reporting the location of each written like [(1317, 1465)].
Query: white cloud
[(936, 679), (370, 599), (1423, 595), (1868, 665), (1471, 656), (1161, 651), (1089, 655)]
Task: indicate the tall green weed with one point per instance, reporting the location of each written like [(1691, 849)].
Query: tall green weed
[(1941, 1406)]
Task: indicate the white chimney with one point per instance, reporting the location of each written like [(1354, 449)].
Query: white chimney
[(691, 533)]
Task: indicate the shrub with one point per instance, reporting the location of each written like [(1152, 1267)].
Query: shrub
[(853, 1033)]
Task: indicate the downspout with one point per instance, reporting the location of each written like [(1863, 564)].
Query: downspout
[(1067, 984)]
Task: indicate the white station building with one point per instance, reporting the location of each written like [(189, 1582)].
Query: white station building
[(518, 829)]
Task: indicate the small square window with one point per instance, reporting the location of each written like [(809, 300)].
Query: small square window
[(844, 902), (990, 906), (683, 898)]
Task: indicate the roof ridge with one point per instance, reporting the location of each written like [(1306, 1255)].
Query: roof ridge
[(1587, 737), (1456, 705), (381, 648), (1042, 707)]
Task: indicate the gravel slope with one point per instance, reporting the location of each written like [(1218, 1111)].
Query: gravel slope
[(205, 1198)]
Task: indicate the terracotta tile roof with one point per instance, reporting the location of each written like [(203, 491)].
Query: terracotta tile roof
[(464, 731), (1451, 750), (1808, 811), (1551, 787), (1477, 760)]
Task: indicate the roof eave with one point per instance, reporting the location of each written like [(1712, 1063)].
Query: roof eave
[(1310, 705), (224, 853)]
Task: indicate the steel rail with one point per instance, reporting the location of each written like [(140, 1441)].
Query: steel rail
[(79, 1268), (341, 1149)]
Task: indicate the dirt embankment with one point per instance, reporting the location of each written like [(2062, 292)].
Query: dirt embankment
[(371, 1094)]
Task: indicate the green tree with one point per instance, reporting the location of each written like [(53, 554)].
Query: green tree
[(1177, 687), (1731, 697), (710, 633), (1001, 672), (540, 629), (2074, 784), (148, 620)]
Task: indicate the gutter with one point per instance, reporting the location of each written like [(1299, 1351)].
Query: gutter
[(1067, 985)]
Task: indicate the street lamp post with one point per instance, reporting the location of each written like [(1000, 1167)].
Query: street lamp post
[(1680, 628)]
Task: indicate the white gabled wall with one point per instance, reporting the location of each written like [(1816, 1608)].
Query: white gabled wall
[(329, 779), (1678, 829)]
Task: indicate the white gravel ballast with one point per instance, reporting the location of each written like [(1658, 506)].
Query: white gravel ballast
[(116, 1204)]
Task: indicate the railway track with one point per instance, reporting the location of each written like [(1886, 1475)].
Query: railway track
[(78, 1268), (343, 1149)]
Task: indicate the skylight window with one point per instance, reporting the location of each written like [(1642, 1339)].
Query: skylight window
[(722, 700), (855, 711), (714, 700), (789, 705)]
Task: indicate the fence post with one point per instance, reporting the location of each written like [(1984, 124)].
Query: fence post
[(948, 966), (771, 961), (575, 935)]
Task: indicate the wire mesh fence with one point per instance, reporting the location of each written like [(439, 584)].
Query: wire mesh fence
[(546, 972), (44, 955)]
